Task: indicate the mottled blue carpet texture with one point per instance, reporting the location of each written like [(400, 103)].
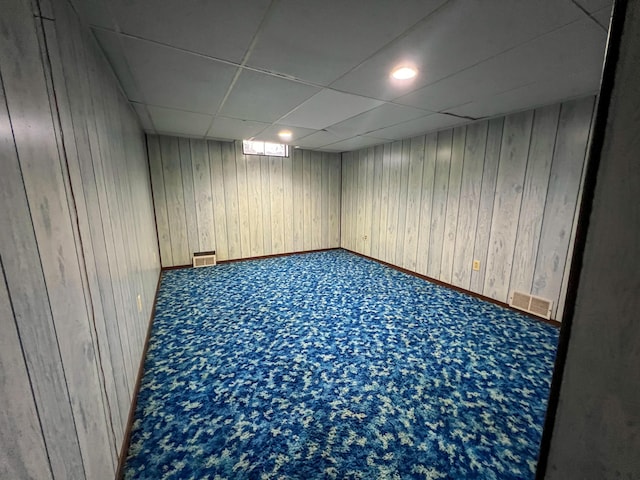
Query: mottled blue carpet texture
[(329, 365)]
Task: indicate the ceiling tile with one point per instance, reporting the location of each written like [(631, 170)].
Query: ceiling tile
[(419, 126), (379, 117), (225, 128), (438, 48), (217, 28), (457, 89), (319, 139), (593, 5), (475, 58), (177, 79), (95, 12), (603, 16), (529, 96), (270, 134), (263, 97), (563, 62), (328, 107), (318, 37), (355, 143), (178, 122), (112, 46), (577, 48), (144, 117)]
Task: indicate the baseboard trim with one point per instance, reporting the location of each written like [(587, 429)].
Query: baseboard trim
[(261, 257), (126, 441), (555, 323)]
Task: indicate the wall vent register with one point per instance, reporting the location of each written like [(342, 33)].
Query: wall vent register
[(531, 304), (204, 259)]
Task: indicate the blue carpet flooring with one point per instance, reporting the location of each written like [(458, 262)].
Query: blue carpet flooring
[(329, 365)]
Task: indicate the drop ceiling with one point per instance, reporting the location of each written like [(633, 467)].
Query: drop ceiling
[(320, 68)]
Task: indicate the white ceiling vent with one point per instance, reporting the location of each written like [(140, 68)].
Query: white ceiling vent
[(531, 304), (204, 259)]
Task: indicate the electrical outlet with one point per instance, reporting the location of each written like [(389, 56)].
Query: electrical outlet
[(139, 303), (476, 265)]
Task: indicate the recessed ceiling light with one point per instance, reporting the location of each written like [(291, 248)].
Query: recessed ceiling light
[(285, 134), (404, 73)]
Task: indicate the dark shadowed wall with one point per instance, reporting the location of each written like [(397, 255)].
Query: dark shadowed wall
[(597, 428)]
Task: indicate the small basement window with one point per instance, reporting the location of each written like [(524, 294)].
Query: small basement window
[(256, 147)]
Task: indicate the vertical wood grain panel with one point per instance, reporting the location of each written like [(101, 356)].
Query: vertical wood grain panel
[(298, 201), (346, 189), (324, 200), (27, 289), (160, 201), (395, 170), (368, 201), (377, 194), (136, 221), (414, 199), (107, 110), (189, 195), (254, 185), (355, 238), (348, 208), (316, 200), (428, 177), (543, 138), (360, 181), (22, 450), (402, 201), (288, 200), (265, 192), (175, 199), (231, 199), (121, 144), (439, 202), (203, 195), (353, 201), (469, 202), (276, 196), (506, 209), (83, 150), (307, 194), (243, 201), (487, 197), (219, 207), (335, 200), (453, 204), (121, 225), (384, 201), (564, 185)]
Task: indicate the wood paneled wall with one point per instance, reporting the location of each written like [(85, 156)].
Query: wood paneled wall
[(503, 192), (77, 248), (209, 196)]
